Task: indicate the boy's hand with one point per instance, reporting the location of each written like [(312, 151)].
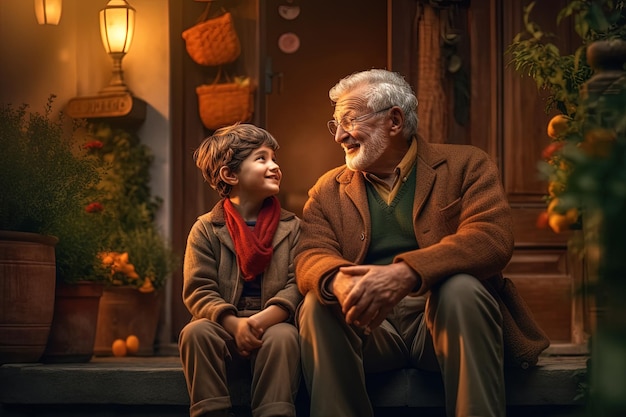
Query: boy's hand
[(244, 336), (246, 340), (266, 318)]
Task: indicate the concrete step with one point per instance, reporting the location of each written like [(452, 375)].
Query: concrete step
[(155, 386)]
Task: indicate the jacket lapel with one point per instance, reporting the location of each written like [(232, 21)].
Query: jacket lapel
[(355, 190), (427, 160)]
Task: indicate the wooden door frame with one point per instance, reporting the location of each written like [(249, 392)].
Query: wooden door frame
[(187, 184)]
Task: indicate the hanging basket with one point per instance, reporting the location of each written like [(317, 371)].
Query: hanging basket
[(223, 104), (213, 41)]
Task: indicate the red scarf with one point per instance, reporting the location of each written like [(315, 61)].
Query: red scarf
[(253, 246)]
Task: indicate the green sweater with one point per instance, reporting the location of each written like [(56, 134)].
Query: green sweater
[(392, 225)]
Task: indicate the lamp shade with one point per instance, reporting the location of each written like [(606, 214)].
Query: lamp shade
[(117, 26), (48, 12)]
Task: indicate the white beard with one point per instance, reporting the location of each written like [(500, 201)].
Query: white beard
[(368, 153)]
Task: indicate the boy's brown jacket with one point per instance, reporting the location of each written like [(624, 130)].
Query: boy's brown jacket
[(462, 224), (212, 284)]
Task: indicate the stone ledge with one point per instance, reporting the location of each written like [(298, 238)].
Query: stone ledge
[(153, 381)]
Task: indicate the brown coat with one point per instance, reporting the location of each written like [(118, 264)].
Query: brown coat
[(212, 279), (461, 218)]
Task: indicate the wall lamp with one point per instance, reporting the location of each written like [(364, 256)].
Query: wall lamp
[(48, 12), (117, 27), (114, 103)]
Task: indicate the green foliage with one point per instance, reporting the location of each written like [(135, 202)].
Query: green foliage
[(590, 163), (562, 76), (149, 253), (81, 239), (126, 166), (88, 186), (45, 180), (129, 208)]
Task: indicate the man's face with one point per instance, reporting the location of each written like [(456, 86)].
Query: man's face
[(365, 142)]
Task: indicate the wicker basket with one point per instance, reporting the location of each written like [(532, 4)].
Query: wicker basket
[(213, 42), (223, 104)]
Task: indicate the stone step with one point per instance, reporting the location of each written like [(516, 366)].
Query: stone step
[(152, 386)]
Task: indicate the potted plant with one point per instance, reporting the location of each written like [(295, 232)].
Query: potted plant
[(585, 165), (137, 257), (79, 287), (45, 180)]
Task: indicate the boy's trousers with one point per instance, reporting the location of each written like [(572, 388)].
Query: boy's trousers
[(206, 350)]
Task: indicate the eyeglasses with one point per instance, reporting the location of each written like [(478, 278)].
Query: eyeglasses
[(349, 124)]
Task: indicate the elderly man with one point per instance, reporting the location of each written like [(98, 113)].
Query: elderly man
[(400, 259)]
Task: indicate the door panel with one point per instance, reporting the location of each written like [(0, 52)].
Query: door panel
[(336, 38), (542, 267), (507, 119)]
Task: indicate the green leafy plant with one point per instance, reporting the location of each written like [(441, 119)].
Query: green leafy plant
[(135, 251), (46, 181), (585, 164), (534, 53)]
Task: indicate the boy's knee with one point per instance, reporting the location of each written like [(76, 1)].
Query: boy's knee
[(283, 333), (195, 332)]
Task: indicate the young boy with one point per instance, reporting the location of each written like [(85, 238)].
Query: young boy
[(239, 282)]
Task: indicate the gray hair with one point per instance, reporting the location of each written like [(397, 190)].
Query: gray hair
[(385, 89)]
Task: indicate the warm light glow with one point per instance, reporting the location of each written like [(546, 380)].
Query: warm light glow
[(48, 12), (117, 26)]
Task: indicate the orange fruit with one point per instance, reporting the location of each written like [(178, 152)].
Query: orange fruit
[(147, 286), (555, 188), (553, 205), (559, 222), (542, 220), (557, 126), (132, 344), (119, 347), (548, 151)]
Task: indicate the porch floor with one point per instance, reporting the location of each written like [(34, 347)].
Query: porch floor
[(155, 386)]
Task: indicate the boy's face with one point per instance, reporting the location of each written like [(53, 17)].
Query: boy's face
[(259, 175)]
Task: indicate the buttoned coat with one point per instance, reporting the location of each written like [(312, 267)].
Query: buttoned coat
[(461, 218), (213, 283)]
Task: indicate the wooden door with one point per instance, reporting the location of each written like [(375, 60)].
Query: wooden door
[(508, 120), (545, 271), (335, 38), (339, 37), (191, 196), (304, 57)]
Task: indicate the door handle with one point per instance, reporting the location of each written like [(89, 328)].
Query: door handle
[(269, 78)]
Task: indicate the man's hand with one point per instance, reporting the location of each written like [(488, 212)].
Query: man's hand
[(368, 293), (342, 284)]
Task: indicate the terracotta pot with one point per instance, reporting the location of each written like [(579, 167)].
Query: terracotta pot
[(73, 330), (27, 280), (124, 311)]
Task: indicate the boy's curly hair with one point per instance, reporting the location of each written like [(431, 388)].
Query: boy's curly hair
[(229, 146)]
